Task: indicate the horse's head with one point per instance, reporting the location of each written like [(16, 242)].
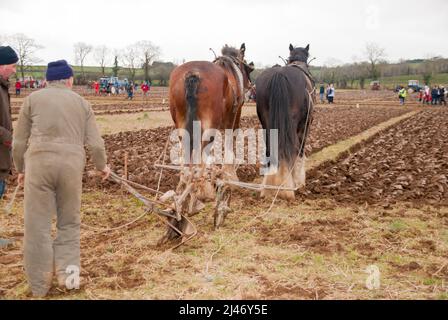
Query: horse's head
[(248, 68), (298, 54)]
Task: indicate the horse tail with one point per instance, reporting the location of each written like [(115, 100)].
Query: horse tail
[(191, 96), (280, 118)]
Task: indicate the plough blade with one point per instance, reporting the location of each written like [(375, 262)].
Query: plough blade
[(178, 226)]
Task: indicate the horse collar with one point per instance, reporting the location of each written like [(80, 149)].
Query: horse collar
[(304, 67)]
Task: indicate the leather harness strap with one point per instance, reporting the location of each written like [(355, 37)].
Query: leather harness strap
[(304, 68)]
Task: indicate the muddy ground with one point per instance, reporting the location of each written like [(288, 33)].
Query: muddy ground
[(408, 162), (317, 247), (145, 147)]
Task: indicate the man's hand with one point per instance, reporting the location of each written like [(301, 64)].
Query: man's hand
[(21, 179), (106, 173)]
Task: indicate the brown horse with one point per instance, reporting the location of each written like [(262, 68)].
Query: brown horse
[(212, 93), (285, 98)]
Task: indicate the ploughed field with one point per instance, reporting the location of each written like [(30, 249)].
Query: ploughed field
[(145, 147), (408, 162), (382, 203)]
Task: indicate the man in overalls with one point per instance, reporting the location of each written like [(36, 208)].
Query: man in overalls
[(48, 150)]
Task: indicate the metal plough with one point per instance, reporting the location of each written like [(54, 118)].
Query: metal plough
[(179, 226)]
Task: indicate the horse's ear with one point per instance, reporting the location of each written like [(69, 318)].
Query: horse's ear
[(307, 48), (291, 47), (243, 48)]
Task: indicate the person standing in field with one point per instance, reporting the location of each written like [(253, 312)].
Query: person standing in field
[(442, 95), (18, 87), (96, 86), (427, 98), (8, 60), (435, 95), (330, 94), (402, 94), (145, 90), (48, 150), (420, 96), (130, 90), (322, 93)]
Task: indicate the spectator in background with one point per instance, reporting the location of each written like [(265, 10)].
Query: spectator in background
[(402, 95), (420, 95), (253, 93), (427, 97), (130, 91), (435, 93), (442, 96), (330, 94), (18, 88), (145, 89), (96, 86), (322, 93)]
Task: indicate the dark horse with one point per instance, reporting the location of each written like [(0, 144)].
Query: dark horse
[(212, 93), (285, 98)]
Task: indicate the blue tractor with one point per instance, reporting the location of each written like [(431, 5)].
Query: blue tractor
[(113, 81), (414, 85)]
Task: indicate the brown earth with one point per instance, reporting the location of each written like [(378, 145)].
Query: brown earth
[(317, 247), (144, 147), (408, 162)]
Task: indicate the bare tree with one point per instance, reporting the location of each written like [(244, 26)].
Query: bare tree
[(375, 54), (82, 50), (116, 67), (147, 52), (161, 71), (101, 55), (26, 48), (130, 60)]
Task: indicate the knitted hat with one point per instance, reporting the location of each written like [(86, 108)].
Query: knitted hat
[(8, 56), (59, 70)]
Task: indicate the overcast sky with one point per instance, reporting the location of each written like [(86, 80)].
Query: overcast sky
[(337, 31)]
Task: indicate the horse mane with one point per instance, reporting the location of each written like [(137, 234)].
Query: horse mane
[(230, 51)]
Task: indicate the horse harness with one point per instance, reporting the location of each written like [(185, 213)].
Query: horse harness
[(304, 68), (236, 64)]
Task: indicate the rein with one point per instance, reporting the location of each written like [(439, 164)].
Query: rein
[(236, 66)]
